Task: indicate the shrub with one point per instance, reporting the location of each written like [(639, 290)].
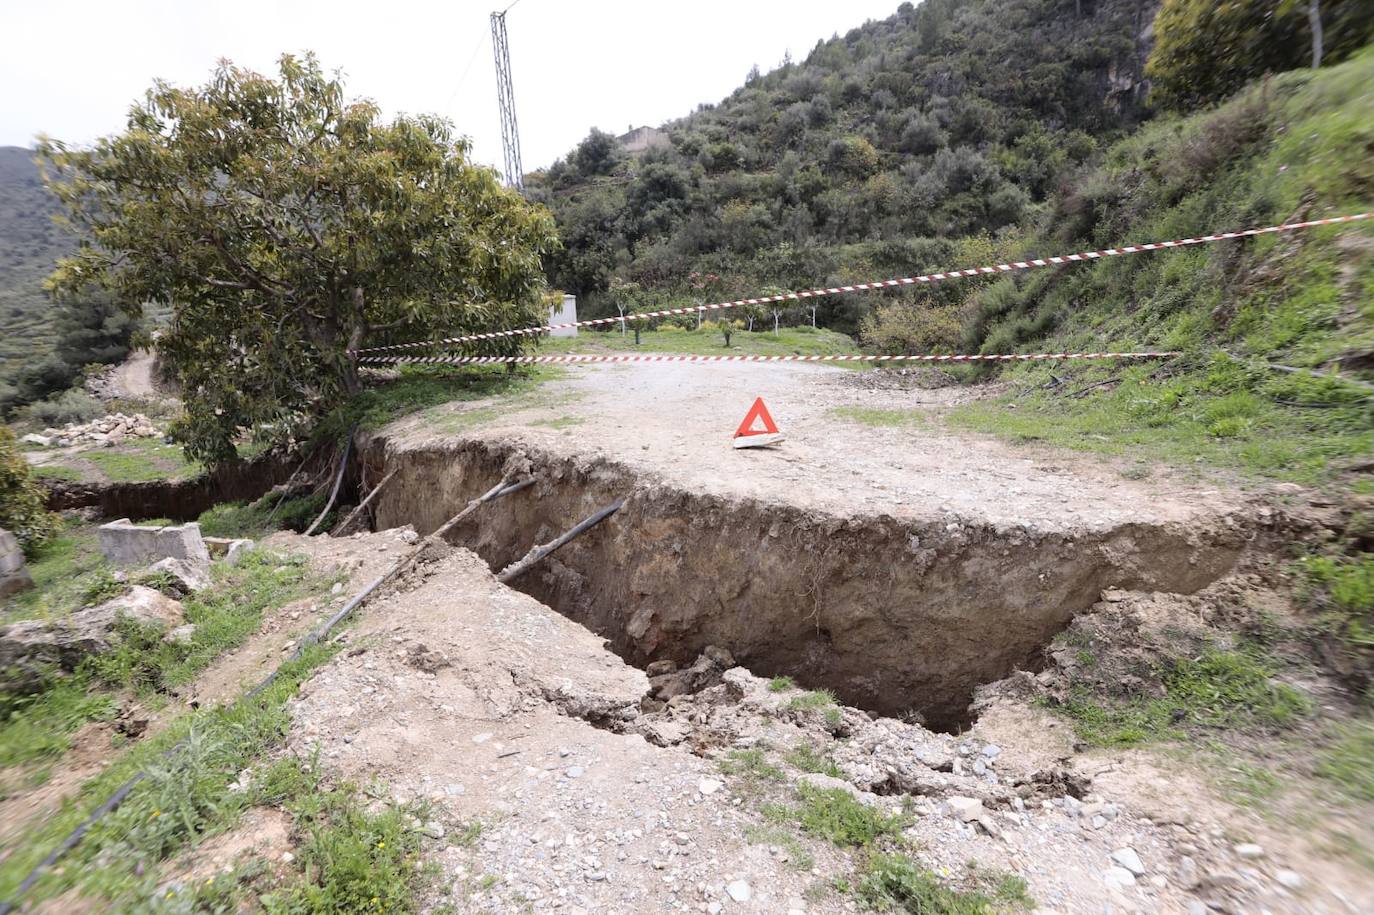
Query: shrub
[(73, 406), (902, 327), (22, 503)]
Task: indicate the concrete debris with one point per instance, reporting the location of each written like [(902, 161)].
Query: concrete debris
[(186, 577), (125, 544), (739, 890), (31, 649), (1249, 851), (1290, 879), (14, 574), (106, 431)]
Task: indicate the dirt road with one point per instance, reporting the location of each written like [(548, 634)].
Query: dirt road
[(677, 420)]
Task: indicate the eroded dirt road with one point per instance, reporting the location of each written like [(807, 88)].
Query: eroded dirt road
[(676, 421)]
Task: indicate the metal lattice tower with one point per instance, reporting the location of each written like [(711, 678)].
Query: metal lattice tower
[(505, 96)]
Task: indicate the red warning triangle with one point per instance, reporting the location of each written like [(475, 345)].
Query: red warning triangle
[(747, 436)]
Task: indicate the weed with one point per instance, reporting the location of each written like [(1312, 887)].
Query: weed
[(813, 699), (751, 763), (781, 684), (1219, 689), (808, 759), (1347, 762), (66, 571), (38, 726), (834, 814), (896, 882)]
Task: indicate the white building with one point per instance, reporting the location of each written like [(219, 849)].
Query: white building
[(566, 313)]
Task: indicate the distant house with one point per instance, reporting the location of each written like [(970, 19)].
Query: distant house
[(642, 138), (562, 310)]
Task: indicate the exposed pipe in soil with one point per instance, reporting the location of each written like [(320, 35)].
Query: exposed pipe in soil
[(343, 525), (538, 553)]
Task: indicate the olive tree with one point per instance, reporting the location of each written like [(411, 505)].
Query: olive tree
[(286, 227)]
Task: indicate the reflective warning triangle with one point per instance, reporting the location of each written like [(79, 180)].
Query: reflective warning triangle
[(746, 436)]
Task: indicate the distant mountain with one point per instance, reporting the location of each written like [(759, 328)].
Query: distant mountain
[(30, 244)]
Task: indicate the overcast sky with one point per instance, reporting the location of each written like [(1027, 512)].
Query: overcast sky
[(71, 69)]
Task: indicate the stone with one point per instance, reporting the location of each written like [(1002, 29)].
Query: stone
[(34, 438), (186, 577), (708, 786), (29, 649), (988, 826), (1188, 874), (1290, 879), (720, 657), (1118, 877), (714, 908), (230, 550), (823, 782), (659, 668), (574, 772), (14, 574), (1250, 851), (992, 751), (181, 635), (1127, 858), (964, 809), (126, 544), (739, 890)]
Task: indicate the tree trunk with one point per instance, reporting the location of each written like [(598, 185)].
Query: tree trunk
[(636, 333), (775, 323), (813, 315), (622, 319), (698, 319), (1314, 18)]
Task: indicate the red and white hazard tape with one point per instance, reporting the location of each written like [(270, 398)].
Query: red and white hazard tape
[(885, 284), (845, 357)]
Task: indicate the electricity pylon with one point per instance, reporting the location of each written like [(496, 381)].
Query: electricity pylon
[(505, 97)]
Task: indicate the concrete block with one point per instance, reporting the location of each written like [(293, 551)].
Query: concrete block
[(230, 550), (125, 544), (14, 575)]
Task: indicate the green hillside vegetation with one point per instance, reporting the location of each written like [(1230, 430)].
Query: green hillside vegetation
[(877, 153), (1291, 148), (30, 245)]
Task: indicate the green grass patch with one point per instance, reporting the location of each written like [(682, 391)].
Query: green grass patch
[(1219, 690), (1349, 762), (890, 419), (1341, 588), (269, 513), (819, 700), (68, 573), (897, 883), (781, 684), (37, 726), (56, 472), (833, 814), (142, 460), (422, 386), (750, 763), (808, 759), (799, 858)]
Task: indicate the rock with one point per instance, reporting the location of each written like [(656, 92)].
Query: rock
[(1127, 858), (14, 574), (29, 649), (181, 635), (964, 809), (714, 908), (1290, 879), (739, 890), (125, 544), (988, 826), (992, 751), (186, 577), (659, 668), (574, 772), (1249, 851), (1187, 874), (1118, 877), (1114, 595), (231, 550), (720, 657), (823, 782), (34, 438), (708, 786)]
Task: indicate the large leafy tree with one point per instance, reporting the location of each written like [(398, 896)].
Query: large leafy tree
[(1205, 50), (286, 227)]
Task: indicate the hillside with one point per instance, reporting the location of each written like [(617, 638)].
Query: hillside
[(29, 245), (877, 151)]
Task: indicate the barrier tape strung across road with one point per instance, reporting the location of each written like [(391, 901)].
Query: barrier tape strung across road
[(842, 357), (883, 284)]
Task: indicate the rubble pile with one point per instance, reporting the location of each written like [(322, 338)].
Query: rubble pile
[(106, 431)]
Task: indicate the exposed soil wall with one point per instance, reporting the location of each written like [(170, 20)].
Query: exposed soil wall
[(180, 500), (894, 616)]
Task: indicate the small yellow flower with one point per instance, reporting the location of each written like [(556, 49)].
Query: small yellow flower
[(156, 814), (381, 845)]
